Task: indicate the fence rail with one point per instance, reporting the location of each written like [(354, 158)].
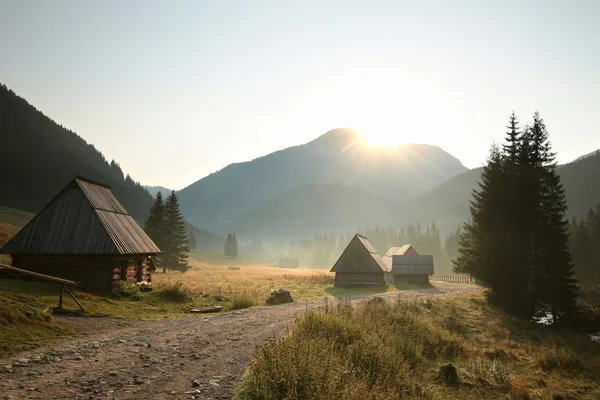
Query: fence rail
[(63, 283), (453, 278)]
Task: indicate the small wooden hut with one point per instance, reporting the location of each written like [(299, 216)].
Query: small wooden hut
[(85, 235), (413, 269), (406, 250), (359, 265)]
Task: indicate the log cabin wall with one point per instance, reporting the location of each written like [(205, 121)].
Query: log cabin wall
[(89, 272)]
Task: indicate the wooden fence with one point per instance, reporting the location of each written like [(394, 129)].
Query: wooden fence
[(62, 282), (453, 278)]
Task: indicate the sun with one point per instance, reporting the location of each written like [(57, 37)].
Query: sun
[(379, 136)]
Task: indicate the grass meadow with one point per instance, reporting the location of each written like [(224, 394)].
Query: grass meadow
[(390, 351)]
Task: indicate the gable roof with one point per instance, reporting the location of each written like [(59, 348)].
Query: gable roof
[(395, 251), (350, 261), (412, 265), (84, 218)]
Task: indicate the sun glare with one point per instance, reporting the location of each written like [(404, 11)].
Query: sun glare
[(381, 137)]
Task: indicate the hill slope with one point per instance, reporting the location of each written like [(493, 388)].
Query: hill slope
[(39, 157), (320, 208), (339, 157), (307, 209)]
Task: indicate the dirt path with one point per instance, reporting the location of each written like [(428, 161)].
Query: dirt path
[(115, 359)]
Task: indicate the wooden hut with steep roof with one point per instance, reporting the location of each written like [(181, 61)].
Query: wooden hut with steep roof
[(413, 269), (84, 234), (359, 265), (406, 250)]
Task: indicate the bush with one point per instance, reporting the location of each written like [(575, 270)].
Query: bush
[(173, 292), (242, 301), (560, 358)]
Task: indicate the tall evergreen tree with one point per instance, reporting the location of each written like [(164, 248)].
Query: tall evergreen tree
[(175, 254), (155, 224), (517, 241), (511, 148), (234, 247), (227, 249)]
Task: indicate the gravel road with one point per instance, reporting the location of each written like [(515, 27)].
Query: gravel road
[(201, 357)]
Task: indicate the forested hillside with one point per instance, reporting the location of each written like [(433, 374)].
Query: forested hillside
[(39, 157), (448, 204)]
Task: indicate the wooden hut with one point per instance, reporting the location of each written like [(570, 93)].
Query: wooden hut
[(359, 265), (84, 234), (414, 269), (406, 250)]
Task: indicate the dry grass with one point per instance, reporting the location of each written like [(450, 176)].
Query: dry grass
[(383, 351), (250, 284)]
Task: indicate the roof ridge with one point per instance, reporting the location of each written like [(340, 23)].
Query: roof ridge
[(88, 180)]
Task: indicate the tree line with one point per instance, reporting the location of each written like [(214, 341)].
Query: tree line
[(517, 240), (322, 250), (167, 228), (585, 247)]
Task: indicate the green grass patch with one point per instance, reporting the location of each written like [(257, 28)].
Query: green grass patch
[(25, 323), (391, 351)]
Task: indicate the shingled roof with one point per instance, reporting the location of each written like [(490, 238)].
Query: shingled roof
[(395, 251), (347, 262), (84, 218)]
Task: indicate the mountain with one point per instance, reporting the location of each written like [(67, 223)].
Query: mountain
[(332, 208), (593, 153), (153, 190), (39, 157), (339, 157), (307, 209)]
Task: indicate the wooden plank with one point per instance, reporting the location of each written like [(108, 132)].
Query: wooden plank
[(37, 275), (73, 297)]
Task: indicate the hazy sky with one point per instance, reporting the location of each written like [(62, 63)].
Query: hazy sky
[(175, 90)]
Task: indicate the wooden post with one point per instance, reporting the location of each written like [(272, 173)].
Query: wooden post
[(139, 266), (73, 297), (60, 298), (123, 269)]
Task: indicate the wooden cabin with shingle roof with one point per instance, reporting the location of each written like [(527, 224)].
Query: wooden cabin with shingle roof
[(412, 269), (406, 250), (84, 234), (359, 265)]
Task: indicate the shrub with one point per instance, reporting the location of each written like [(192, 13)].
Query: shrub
[(560, 358), (173, 292), (243, 300)]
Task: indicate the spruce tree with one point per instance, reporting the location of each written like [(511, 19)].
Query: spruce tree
[(517, 240), (176, 239), (155, 225), (234, 247), (511, 148), (228, 245)]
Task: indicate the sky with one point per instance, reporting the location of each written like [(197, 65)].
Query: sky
[(175, 90)]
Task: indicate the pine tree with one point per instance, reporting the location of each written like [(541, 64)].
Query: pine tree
[(511, 148), (155, 225), (517, 240), (175, 255), (234, 247), (227, 249)]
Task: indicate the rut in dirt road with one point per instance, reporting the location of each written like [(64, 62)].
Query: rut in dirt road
[(194, 357)]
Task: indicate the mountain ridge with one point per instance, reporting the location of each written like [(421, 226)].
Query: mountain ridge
[(447, 205), (339, 156)]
